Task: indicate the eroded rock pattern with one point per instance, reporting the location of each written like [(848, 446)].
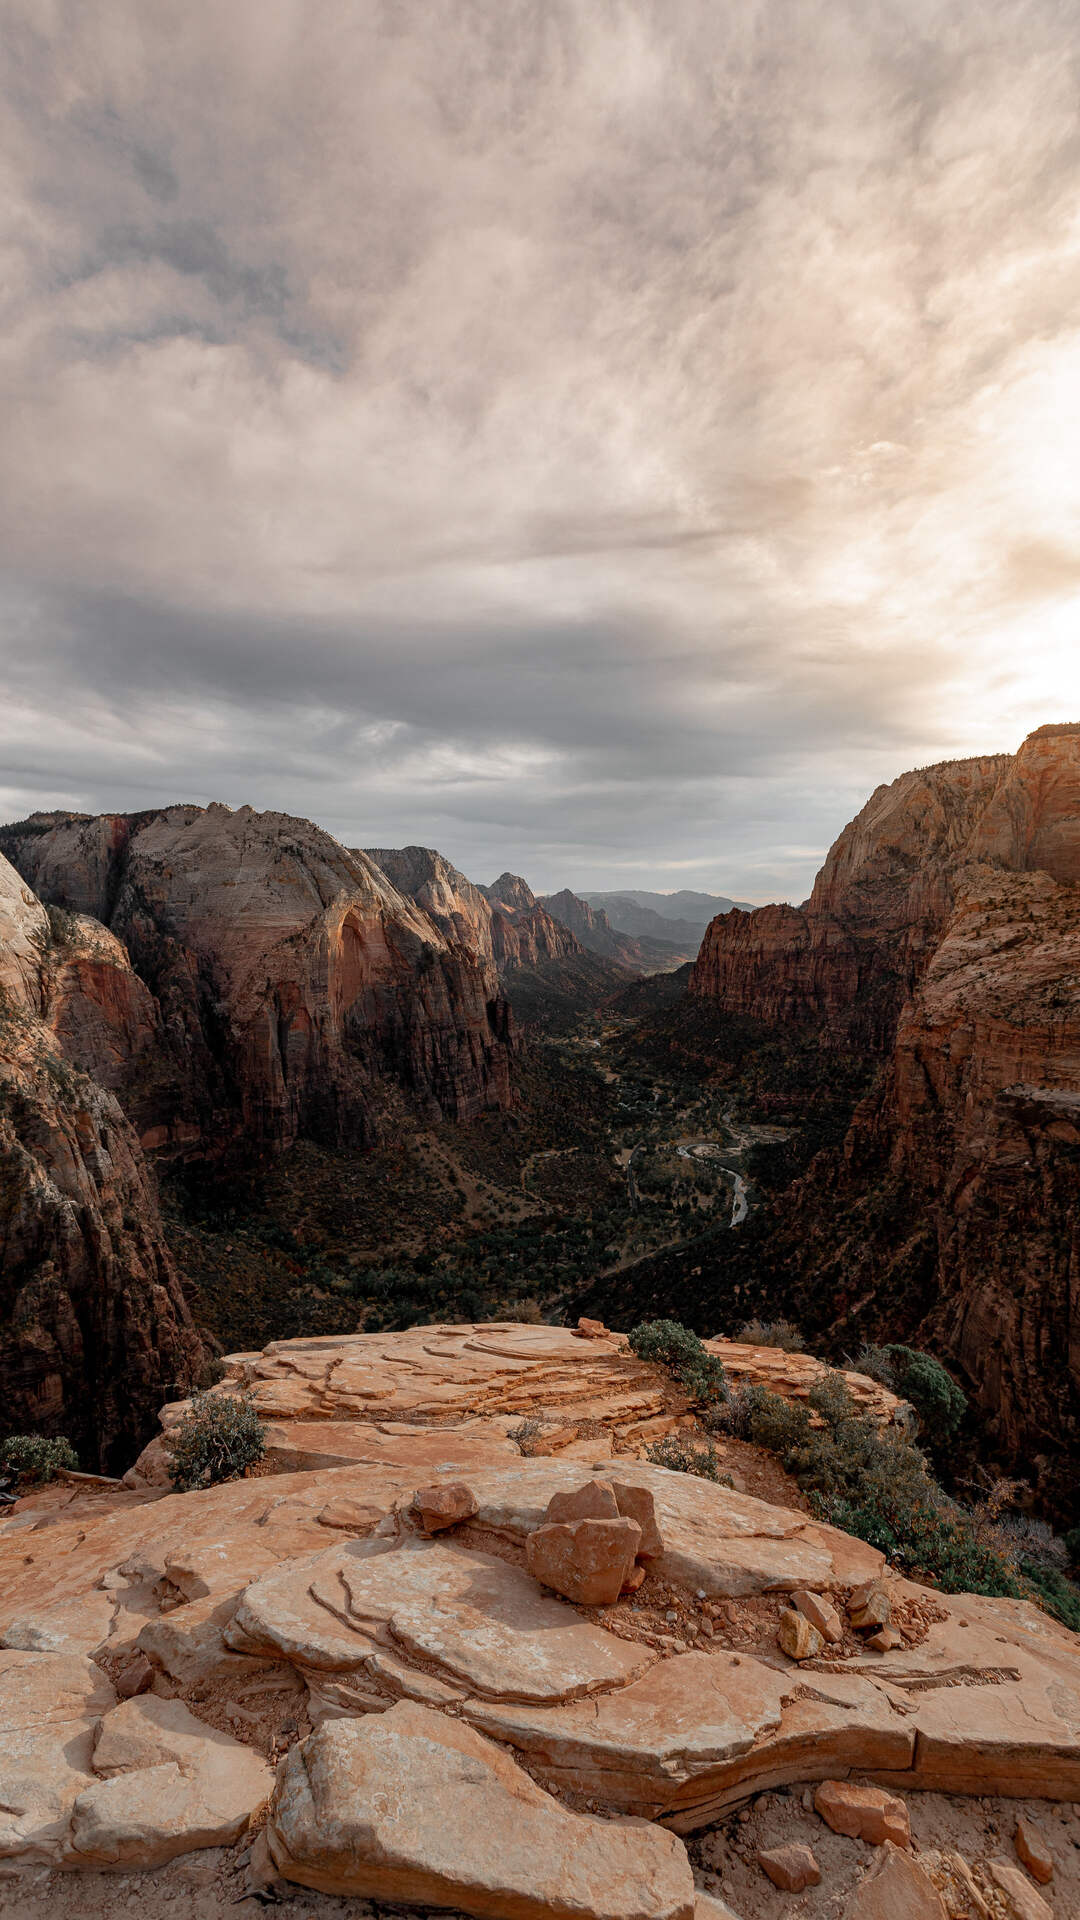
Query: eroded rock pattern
[(306, 1617)]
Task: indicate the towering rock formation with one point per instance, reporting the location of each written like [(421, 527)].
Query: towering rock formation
[(536, 960), (943, 934), (96, 1324), (289, 975)]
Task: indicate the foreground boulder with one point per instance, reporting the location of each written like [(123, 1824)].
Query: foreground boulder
[(416, 1807)]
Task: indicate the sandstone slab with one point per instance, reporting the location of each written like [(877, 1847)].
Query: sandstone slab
[(417, 1808), (169, 1784), (50, 1705), (1023, 1902)]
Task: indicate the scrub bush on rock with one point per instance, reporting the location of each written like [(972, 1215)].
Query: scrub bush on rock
[(674, 1346), (216, 1440), (33, 1458)]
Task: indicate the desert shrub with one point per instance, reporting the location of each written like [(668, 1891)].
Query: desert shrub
[(216, 1440), (1053, 1591), (675, 1347), (527, 1434), (922, 1380), (527, 1311), (772, 1333), (766, 1418), (36, 1459), (683, 1456)]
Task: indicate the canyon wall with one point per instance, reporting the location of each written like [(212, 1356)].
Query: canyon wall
[(290, 976), (97, 1329), (943, 936)]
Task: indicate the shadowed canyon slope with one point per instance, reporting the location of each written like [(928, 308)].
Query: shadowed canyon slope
[(96, 1324), (943, 935)]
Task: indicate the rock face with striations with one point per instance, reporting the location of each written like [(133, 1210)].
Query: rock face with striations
[(290, 975), (441, 1721), (943, 934), (97, 1327)]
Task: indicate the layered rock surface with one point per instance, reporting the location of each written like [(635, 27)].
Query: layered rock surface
[(375, 1397), (306, 1616)]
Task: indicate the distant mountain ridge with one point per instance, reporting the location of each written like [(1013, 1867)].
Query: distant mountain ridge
[(679, 919)]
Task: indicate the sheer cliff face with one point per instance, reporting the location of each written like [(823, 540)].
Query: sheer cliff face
[(288, 976), (849, 957), (97, 1328), (944, 933)]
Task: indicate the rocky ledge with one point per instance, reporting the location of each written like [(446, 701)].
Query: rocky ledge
[(408, 1714)]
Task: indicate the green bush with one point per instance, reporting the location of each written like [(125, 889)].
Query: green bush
[(872, 1482), (675, 1347), (216, 1440), (682, 1456), (755, 1413), (772, 1333), (36, 1459), (1055, 1593), (922, 1380)]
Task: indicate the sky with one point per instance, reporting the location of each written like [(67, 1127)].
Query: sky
[(599, 438)]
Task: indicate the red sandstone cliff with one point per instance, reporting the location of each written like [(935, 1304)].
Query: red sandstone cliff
[(96, 1326), (943, 932), (290, 977)]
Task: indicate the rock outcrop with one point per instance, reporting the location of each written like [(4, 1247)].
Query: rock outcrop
[(290, 976), (942, 937), (536, 960), (444, 1728), (96, 1324)]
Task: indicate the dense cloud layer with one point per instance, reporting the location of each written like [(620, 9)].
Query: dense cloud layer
[(600, 437)]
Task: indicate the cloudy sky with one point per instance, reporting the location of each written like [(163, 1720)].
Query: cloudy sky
[(598, 437)]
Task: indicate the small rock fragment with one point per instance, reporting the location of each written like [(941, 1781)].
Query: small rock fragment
[(587, 1560), (869, 1612), (790, 1868), (884, 1640), (797, 1637), (821, 1614), (1032, 1849), (896, 1888), (440, 1507), (587, 1329), (593, 1501), (134, 1677), (863, 1813), (1024, 1902)]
